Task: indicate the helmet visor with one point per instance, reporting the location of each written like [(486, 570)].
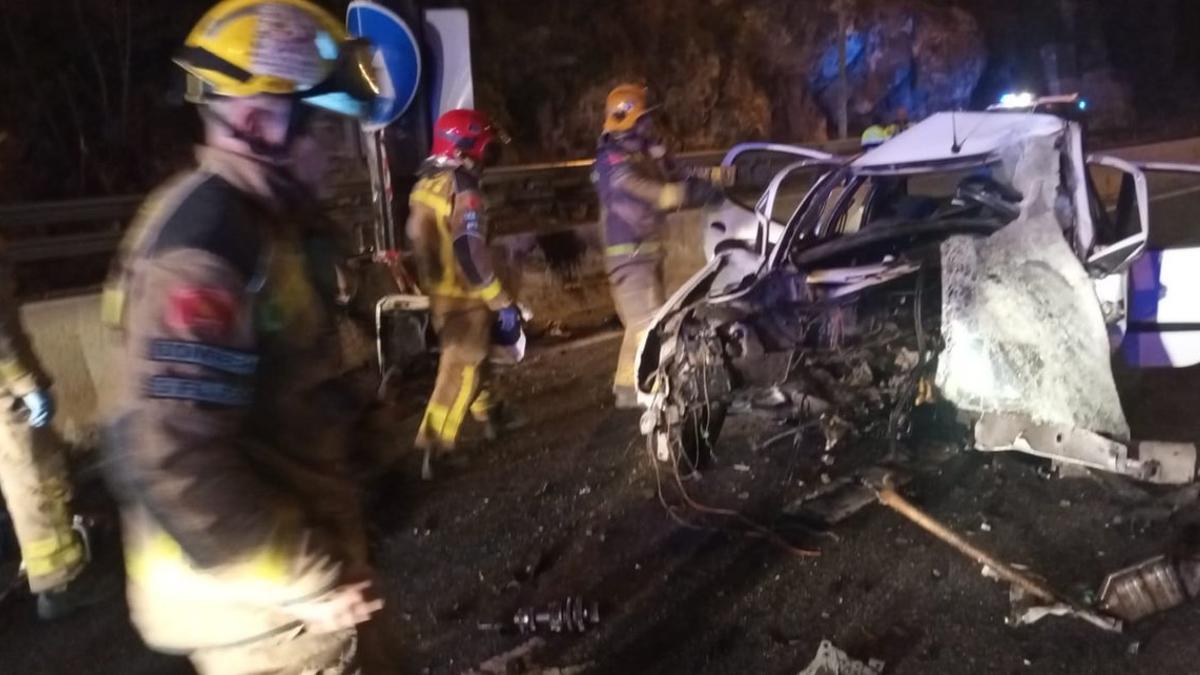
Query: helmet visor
[(353, 86)]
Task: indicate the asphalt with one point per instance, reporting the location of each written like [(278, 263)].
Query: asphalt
[(569, 506)]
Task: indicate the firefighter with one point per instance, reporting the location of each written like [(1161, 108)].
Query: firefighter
[(638, 185), (875, 135), (470, 307), (244, 543), (34, 479)]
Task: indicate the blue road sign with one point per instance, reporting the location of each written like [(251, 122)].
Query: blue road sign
[(397, 58)]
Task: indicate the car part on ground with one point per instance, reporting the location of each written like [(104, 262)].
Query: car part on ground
[(572, 615), (830, 660), (1149, 587), (888, 496)]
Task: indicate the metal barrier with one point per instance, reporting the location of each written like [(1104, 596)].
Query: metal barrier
[(527, 199)]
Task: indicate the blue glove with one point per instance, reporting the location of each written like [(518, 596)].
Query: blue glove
[(41, 407), (507, 329), (509, 319)]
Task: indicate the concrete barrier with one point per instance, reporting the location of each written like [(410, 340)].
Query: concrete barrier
[(71, 343)]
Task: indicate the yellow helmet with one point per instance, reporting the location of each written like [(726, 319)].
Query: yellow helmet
[(626, 104), (281, 47)]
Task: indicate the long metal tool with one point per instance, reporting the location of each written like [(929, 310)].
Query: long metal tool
[(888, 496)]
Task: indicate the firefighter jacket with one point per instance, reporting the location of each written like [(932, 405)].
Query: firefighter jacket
[(637, 191), (20, 372), (227, 442), (448, 232)]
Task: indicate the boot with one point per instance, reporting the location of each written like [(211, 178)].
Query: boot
[(94, 584), (501, 419), (445, 459)]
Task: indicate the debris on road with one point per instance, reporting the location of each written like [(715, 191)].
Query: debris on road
[(1149, 587), (887, 494), (573, 615), (513, 661), (832, 661), (834, 502), (1026, 609), (519, 661)]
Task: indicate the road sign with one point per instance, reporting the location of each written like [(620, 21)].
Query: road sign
[(397, 58)]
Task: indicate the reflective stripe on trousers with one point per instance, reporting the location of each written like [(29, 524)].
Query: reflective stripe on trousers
[(464, 330)]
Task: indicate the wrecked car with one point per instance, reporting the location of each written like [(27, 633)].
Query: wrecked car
[(979, 269)]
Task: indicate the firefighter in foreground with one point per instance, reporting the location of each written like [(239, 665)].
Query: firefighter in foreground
[(638, 186), (469, 306), (34, 479), (244, 544)]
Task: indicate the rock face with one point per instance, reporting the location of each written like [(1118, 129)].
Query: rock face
[(726, 70)]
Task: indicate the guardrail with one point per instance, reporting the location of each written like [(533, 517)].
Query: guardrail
[(527, 198), (533, 198), (44, 231)]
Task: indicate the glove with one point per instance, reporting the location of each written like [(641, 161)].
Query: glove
[(509, 319), (725, 176), (41, 407), (508, 326)]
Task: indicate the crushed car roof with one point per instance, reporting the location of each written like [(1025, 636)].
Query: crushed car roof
[(979, 135)]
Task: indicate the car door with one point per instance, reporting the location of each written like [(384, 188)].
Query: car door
[(771, 180), (1163, 289)]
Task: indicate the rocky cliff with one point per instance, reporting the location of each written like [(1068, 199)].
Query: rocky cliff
[(726, 70)]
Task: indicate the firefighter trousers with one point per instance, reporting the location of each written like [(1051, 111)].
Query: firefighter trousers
[(36, 489), (464, 330), (637, 289), (293, 652)]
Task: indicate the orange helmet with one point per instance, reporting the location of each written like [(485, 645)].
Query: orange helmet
[(626, 104)]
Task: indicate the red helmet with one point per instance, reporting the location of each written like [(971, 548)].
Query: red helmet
[(460, 134)]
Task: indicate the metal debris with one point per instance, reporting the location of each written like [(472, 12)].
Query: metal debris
[(834, 502), (573, 615), (1030, 584), (1149, 587), (832, 661)]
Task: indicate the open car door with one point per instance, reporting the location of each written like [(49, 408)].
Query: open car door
[(1163, 329), (771, 181)]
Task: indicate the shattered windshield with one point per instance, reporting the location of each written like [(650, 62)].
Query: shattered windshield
[(847, 204)]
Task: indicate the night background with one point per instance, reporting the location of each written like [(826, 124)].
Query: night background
[(90, 93), (779, 542)]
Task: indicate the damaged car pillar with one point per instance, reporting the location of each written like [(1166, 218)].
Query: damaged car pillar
[(967, 265)]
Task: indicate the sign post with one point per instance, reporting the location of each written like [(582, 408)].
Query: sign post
[(397, 60)]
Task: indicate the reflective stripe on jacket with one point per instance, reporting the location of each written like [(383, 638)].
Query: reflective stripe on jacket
[(448, 232), (636, 192)]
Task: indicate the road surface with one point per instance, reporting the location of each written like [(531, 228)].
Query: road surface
[(569, 507)]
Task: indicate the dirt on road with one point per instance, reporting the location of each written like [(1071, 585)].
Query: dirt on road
[(569, 506)]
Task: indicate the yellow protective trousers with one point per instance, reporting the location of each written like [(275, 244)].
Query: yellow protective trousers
[(637, 290), (464, 329), (34, 482)]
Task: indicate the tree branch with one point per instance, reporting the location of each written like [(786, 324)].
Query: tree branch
[(86, 36)]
